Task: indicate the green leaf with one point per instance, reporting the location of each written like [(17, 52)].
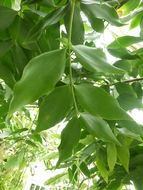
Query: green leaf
[(111, 155), (132, 126), (7, 16), (101, 164), (96, 23), (97, 101), (122, 53), (141, 27), (98, 127), (69, 138), (5, 46), (136, 21), (123, 153), (93, 59), (6, 75), (77, 36), (102, 11), (123, 42), (54, 107), (84, 169), (129, 6), (39, 77), (51, 19), (130, 134), (56, 178), (20, 59)]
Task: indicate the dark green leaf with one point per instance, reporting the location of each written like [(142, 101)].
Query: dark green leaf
[(7, 16), (69, 138), (101, 164), (77, 26), (54, 108), (39, 76), (5, 47), (6, 75), (97, 101), (84, 169)]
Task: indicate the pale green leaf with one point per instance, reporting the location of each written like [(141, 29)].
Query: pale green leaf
[(111, 155)]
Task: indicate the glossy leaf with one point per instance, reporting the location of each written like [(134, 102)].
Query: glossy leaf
[(39, 77), (69, 138), (54, 107), (97, 101), (102, 11), (94, 59), (98, 127), (7, 16), (111, 155)]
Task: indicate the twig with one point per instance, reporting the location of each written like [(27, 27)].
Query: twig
[(85, 180), (128, 81)]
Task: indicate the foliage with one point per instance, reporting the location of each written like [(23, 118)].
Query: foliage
[(50, 62)]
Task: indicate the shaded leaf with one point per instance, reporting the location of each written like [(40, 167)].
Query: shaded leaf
[(69, 138), (7, 16), (54, 107)]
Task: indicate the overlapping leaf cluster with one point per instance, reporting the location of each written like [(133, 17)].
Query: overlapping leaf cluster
[(70, 79)]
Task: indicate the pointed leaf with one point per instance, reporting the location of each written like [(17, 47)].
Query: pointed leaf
[(7, 16), (6, 75), (39, 76), (111, 155), (97, 101), (98, 127), (5, 46), (77, 36), (102, 11), (69, 138), (54, 107), (123, 153), (94, 59), (101, 164), (124, 41)]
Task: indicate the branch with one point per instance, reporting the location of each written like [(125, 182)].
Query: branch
[(85, 180), (128, 81)]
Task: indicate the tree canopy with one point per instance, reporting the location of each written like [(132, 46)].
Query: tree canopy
[(51, 71)]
